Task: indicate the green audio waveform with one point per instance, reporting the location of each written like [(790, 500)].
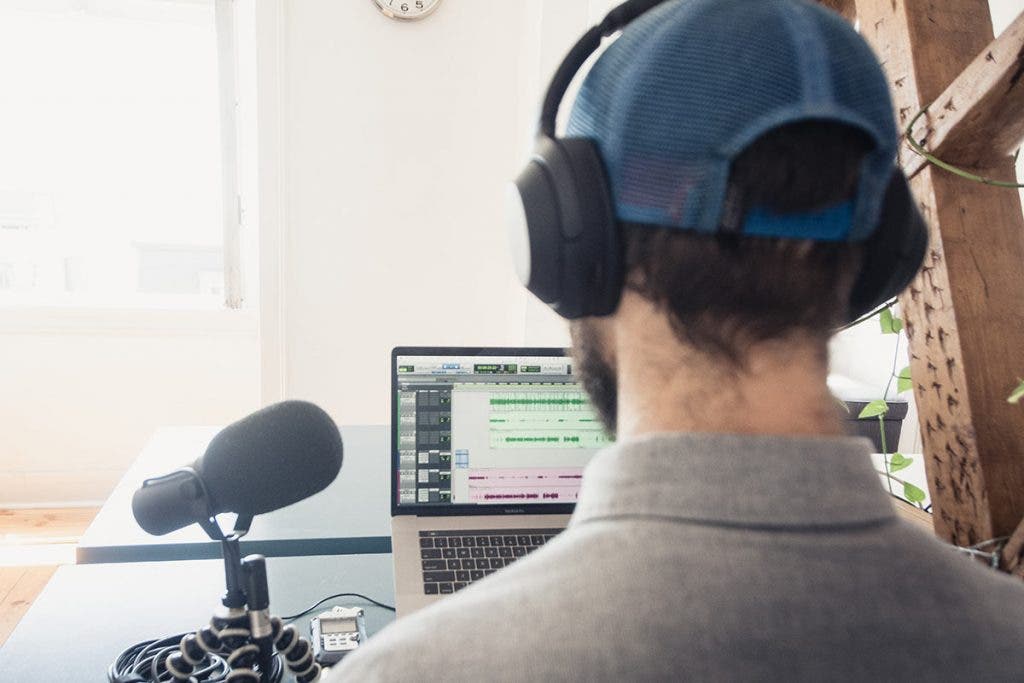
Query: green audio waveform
[(541, 439), (544, 419), (538, 402)]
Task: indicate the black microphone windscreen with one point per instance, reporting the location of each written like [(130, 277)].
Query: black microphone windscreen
[(277, 456)]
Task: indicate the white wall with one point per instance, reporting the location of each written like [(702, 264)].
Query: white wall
[(80, 393), (399, 142)]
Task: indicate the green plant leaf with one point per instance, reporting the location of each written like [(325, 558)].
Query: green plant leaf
[(874, 409), (1017, 394), (885, 321), (904, 381), (899, 462), (912, 493), (889, 323)]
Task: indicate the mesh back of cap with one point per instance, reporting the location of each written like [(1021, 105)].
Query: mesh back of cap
[(692, 83)]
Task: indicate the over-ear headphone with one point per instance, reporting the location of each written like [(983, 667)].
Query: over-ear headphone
[(566, 240)]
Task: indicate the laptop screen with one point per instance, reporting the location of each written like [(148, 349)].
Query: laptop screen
[(488, 430)]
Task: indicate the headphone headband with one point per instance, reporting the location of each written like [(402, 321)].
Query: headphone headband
[(614, 21)]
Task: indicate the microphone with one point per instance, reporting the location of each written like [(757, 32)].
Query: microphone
[(277, 456)]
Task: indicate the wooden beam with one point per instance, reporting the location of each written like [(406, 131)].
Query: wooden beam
[(963, 312), (980, 116)]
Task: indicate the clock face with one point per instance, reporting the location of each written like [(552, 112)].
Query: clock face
[(406, 9)]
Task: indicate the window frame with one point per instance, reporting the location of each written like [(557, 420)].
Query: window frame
[(38, 314), (227, 68)]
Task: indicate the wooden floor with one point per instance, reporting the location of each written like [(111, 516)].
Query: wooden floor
[(33, 543)]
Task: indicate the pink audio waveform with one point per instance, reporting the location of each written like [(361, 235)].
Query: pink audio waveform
[(534, 484)]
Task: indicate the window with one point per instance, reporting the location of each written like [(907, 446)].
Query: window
[(117, 171)]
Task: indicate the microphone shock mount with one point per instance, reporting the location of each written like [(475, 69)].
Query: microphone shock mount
[(242, 643)]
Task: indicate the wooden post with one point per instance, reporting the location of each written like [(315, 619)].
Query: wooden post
[(980, 116), (964, 312)]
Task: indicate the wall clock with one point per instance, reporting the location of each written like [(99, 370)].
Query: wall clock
[(406, 10)]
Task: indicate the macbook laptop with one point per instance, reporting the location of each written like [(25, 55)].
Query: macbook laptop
[(488, 447)]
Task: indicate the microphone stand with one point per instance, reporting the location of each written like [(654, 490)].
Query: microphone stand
[(243, 632), (261, 627), (234, 594), (184, 488)]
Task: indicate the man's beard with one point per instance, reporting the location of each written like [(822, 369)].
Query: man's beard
[(596, 374)]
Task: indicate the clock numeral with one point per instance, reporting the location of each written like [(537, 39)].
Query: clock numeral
[(403, 9)]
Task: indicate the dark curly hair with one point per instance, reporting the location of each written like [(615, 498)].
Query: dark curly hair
[(727, 292)]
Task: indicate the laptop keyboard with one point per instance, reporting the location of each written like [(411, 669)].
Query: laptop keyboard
[(454, 559)]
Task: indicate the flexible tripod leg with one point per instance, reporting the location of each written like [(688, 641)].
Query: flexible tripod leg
[(225, 638), (297, 652)]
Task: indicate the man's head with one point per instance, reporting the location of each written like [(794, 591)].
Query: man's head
[(725, 294), (746, 144), (727, 180)]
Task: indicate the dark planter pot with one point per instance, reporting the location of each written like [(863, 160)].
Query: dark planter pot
[(868, 427)]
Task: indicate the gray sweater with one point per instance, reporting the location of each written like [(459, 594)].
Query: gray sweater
[(720, 557)]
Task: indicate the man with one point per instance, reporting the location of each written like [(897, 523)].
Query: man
[(733, 532)]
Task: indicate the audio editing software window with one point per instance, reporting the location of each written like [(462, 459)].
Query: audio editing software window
[(488, 430)]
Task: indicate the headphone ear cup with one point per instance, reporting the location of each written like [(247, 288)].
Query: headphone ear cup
[(534, 224), (572, 256), (893, 253), (593, 256)]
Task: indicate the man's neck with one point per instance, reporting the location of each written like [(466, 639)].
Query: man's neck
[(666, 386)]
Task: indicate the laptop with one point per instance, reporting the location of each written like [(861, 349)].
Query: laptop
[(488, 447)]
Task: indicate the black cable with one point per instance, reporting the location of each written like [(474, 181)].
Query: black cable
[(144, 662), (337, 595), (868, 316)]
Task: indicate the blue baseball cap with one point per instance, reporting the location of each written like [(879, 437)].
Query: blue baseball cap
[(692, 83)]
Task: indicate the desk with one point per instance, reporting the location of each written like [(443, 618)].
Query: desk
[(87, 614), (352, 515)]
